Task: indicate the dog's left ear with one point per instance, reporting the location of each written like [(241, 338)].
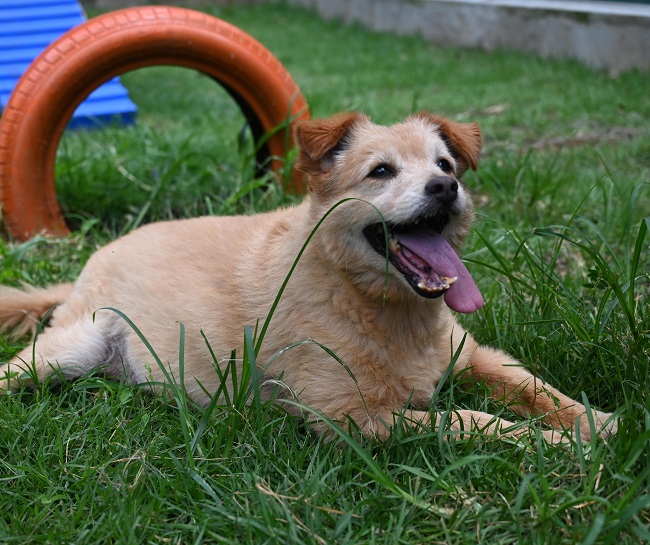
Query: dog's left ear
[(462, 139), (319, 139)]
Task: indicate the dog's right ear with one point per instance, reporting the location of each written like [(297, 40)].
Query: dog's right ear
[(319, 139)]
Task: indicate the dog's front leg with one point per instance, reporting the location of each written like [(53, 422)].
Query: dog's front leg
[(463, 422), (528, 395), (458, 423)]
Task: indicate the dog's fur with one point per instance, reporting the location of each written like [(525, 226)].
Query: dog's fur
[(217, 275)]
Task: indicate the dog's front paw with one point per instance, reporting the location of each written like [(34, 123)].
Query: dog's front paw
[(608, 424), (605, 425)]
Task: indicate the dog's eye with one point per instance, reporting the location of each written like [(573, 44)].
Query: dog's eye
[(382, 170), (444, 165)]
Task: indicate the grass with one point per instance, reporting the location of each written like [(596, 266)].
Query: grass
[(560, 250)]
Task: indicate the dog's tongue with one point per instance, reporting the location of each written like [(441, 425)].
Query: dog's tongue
[(463, 295)]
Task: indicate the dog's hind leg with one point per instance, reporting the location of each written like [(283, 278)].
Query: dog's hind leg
[(68, 350)]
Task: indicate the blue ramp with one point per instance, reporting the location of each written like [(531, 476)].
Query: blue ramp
[(29, 26)]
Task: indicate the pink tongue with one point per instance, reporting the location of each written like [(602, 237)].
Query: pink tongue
[(463, 295)]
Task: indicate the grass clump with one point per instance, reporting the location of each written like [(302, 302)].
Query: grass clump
[(560, 251)]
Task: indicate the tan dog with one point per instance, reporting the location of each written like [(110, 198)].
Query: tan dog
[(390, 322)]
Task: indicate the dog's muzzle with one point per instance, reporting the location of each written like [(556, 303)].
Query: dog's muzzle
[(423, 256)]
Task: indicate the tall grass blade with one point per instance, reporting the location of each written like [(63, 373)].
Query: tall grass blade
[(276, 301)]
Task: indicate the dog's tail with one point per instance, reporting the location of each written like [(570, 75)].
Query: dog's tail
[(21, 310)]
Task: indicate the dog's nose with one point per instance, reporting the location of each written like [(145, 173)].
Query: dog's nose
[(444, 188)]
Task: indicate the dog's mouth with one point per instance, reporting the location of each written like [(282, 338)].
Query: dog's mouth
[(428, 262)]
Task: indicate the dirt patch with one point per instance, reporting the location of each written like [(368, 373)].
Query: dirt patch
[(613, 135)]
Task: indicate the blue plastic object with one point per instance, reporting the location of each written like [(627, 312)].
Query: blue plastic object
[(29, 26)]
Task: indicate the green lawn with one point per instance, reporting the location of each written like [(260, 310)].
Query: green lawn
[(560, 251)]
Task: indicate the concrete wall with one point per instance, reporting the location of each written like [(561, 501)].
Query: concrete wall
[(607, 35)]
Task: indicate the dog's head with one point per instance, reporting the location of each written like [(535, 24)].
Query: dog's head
[(408, 200)]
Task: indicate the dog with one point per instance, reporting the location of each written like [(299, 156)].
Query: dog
[(377, 285)]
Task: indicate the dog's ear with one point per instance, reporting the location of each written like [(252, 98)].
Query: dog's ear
[(462, 139), (319, 139)]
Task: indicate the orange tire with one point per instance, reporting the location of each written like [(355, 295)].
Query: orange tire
[(103, 47)]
